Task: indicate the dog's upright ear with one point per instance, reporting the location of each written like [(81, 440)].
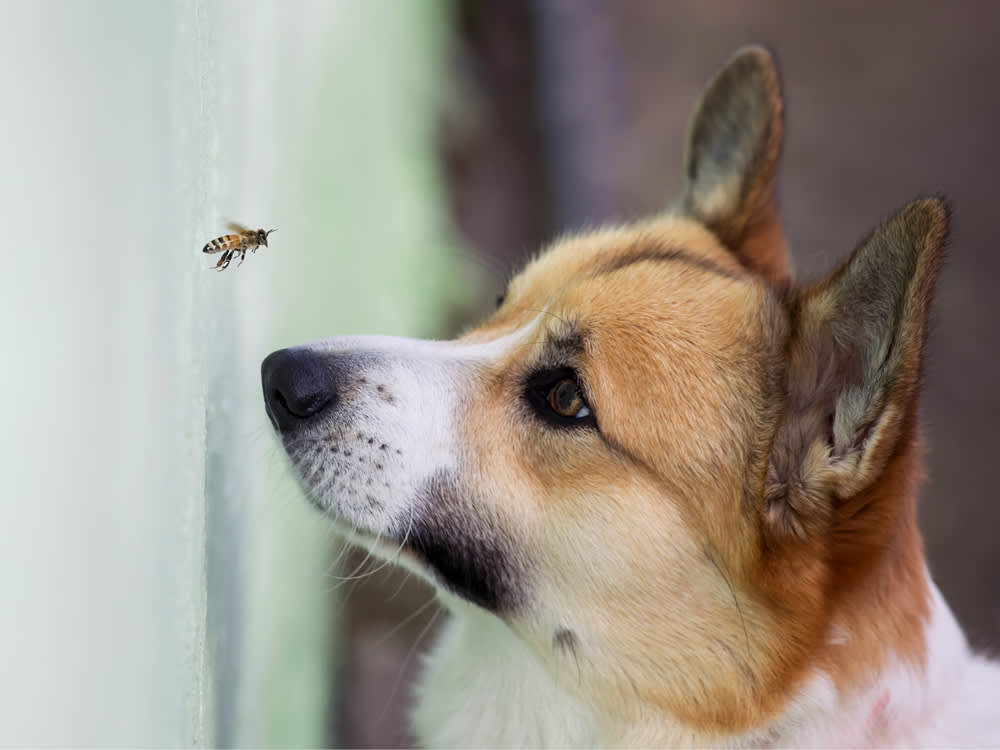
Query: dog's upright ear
[(732, 153), (853, 379)]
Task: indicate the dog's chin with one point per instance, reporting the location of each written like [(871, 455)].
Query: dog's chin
[(381, 545), (389, 549), (358, 527)]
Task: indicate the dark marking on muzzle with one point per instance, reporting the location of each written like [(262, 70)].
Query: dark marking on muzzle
[(471, 555)]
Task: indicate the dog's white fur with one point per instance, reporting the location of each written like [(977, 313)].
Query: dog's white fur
[(480, 681), (554, 654)]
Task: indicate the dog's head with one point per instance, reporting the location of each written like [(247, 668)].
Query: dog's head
[(659, 458)]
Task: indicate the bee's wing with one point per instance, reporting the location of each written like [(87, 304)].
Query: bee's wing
[(238, 228)]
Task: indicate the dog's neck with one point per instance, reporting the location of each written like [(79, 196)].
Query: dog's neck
[(891, 667), (482, 686)]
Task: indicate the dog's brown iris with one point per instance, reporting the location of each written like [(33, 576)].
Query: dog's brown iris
[(565, 399)]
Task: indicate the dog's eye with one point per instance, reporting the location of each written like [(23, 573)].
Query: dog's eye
[(566, 401), (557, 397), (500, 300)]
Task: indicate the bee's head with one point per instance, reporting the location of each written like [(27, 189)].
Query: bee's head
[(262, 235)]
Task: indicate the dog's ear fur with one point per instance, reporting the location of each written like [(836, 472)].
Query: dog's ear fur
[(854, 369), (732, 153)]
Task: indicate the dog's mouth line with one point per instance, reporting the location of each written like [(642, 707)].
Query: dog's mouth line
[(392, 551)]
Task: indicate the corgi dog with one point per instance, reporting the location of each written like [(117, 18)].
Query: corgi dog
[(667, 493)]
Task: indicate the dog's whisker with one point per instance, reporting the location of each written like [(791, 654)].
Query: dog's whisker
[(353, 574), (739, 609), (370, 555), (542, 311), (349, 545), (495, 266), (407, 575), (406, 660), (402, 545), (336, 537), (406, 621), (406, 535)]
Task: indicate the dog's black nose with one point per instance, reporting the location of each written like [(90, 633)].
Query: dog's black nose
[(298, 384)]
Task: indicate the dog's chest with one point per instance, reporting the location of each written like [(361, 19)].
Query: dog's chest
[(481, 687)]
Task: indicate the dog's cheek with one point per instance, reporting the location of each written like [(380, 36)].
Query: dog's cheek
[(467, 547)]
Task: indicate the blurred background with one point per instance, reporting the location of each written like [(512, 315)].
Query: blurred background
[(162, 582)]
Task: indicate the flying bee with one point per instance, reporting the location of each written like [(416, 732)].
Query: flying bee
[(232, 244)]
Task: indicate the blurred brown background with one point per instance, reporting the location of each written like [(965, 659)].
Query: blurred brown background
[(563, 113)]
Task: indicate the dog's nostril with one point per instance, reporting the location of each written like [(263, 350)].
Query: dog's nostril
[(302, 405), (279, 398)]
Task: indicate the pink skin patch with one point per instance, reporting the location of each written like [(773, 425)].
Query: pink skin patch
[(875, 717)]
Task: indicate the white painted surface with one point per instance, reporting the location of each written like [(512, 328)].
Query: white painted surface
[(161, 581)]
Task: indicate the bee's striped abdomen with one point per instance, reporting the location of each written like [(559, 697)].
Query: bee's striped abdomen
[(222, 243)]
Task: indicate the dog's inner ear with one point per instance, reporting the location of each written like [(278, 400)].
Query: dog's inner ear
[(853, 376), (732, 153)]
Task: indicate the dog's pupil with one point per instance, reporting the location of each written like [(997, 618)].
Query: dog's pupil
[(565, 398)]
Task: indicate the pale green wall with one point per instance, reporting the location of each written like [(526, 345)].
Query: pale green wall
[(161, 580)]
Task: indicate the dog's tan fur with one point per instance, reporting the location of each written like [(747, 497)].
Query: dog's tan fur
[(741, 522), (691, 384), (675, 346)]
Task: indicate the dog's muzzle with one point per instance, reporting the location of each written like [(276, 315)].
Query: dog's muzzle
[(372, 435)]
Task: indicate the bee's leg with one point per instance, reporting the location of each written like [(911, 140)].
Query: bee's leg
[(243, 256), (223, 261)]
